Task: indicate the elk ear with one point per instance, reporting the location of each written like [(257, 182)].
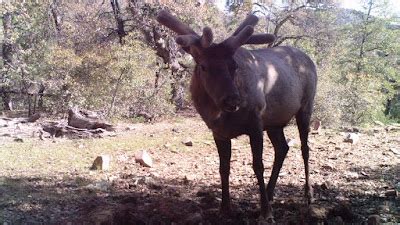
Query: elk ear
[(259, 39)]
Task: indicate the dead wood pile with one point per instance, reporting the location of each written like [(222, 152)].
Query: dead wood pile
[(81, 124)]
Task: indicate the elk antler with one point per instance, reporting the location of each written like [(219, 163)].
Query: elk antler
[(241, 38), (251, 20), (261, 39), (173, 23), (206, 38)]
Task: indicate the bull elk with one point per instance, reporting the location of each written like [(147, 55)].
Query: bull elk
[(238, 91)]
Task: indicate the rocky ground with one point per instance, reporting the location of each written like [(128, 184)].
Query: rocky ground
[(49, 181)]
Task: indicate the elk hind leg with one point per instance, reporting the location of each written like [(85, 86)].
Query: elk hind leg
[(303, 123), (281, 148)]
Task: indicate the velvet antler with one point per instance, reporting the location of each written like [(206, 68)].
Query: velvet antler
[(173, 23), (241, 38), (257, 39), (250, 20)]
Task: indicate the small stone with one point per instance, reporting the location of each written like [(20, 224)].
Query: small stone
[(352, 138), (187, 142), (101, 163), (317, 214), (33, 118), (374, 220), (392, 193), (352, 175), (18, 139), (396, 151), (98, 186), (167, 145), (326, 185), (144, 158), (316, 127), (291, 142)]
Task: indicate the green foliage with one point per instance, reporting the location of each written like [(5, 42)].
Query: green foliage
[(83, 64)]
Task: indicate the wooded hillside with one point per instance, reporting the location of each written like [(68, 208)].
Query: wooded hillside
[(114, 58)]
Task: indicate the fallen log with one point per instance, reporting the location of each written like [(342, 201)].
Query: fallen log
[(87, 120)]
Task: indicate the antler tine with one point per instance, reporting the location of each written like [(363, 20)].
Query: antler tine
[(207, 37), (241, 38), (173, 23), (251, 20), (261, 39), (186, 40)]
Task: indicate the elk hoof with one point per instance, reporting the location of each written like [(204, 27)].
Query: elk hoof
[(309, 195)]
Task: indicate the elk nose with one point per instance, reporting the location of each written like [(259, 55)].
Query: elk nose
[(231, 103)]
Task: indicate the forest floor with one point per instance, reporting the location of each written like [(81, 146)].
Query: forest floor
[(50, 182)]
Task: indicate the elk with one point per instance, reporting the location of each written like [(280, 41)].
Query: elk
[(246, 92)]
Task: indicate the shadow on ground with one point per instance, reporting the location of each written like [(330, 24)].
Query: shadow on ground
[(154, 200)]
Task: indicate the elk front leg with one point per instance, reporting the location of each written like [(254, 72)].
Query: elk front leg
[(256, 142), (224, 152)]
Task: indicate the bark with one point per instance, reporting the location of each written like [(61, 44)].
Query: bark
[(56, 16), (7, 50), (120, 23), (115, 92), (365, 34)]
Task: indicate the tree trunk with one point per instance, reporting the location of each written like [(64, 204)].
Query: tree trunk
[(7, 50), (114, 95), (119, 21), (359, 63)]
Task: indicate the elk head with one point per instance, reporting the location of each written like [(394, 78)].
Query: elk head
[(215, 64)]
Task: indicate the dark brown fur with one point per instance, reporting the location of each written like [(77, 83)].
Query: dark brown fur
[(238, 91)]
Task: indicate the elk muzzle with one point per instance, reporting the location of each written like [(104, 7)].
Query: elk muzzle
[(231, 103)]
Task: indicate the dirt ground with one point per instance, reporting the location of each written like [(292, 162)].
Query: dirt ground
[(50, 182)]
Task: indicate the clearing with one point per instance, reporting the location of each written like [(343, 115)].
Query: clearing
[(49, 181)]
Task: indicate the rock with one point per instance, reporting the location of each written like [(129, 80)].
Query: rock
[(392, 193), (187, 142), (167, 145), (379, 123), (144, 158), (316, 127), (18, 139), (374, 220), (352, 138), (352, 175), (396, 151), (98, 186), (291, 142), (33, 118), (101, 163), (317, 214), (326, 185), (328, 167), (397, 186)]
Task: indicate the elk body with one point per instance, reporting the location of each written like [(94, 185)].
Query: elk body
[(238, 91)]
